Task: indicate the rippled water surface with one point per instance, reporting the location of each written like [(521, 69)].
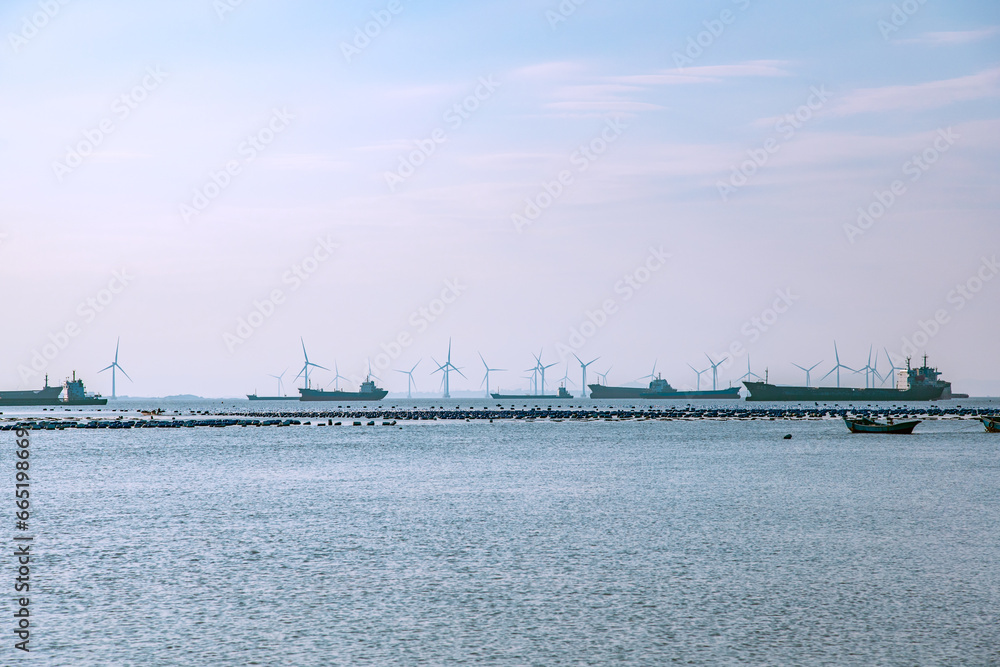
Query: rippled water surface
[(633, 543)]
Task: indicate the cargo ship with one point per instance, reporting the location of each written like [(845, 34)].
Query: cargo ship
[(76, 394), (562, 394), (660, 388), (369, 392), (50, 396), (923, 384)]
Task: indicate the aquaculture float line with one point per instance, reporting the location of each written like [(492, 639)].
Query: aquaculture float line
[(391, 416)]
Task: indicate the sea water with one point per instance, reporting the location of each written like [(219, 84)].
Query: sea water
[(512, 543)]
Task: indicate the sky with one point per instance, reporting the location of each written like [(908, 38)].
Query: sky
[(214, 182)]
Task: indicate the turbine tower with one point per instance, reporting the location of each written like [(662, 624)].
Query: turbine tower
[(336, 376), (115, 367), (837, 368), (446, 368), (304, 373), (715, 371), (583, 367), (749, 373), (278, 378), (894, 370), (541, 369), (488, 371), (698, 373), (871, 370), (807, 370), (566, 382), (410, 382)]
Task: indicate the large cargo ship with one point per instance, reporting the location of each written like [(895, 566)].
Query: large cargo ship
[(562, 394), (369, 392), (660, 388), (76, 394), (923, 384)]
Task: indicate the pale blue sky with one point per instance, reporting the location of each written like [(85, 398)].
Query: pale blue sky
[(658, 184)]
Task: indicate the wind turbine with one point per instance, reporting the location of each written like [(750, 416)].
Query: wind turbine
[(533, 377), (488, 371), (837, 368), (604, 376), (541, 369), (370, 374), (652, 375), (698, 373), (566, 382), (114, 366), (447, 367), (894, 370), (305, 368), (278, 378), (410, 383), (749, 373), (715, 371), (807, 370), (583, 366), (336, 376)]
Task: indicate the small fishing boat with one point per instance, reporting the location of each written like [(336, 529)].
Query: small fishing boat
[(992, 424), (865, 425)]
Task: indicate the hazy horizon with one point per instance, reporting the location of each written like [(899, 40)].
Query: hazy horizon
[(212, 180)]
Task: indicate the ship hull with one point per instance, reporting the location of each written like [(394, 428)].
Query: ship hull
[(85, 401), (601, 391), (869, 426), (46, 396), (604, 391), (761, 391), (322, 395), (527, 396), (731, 393)]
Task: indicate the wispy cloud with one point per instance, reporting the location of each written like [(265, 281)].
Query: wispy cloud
[(929, 95), (949, 38), (590, 94)]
